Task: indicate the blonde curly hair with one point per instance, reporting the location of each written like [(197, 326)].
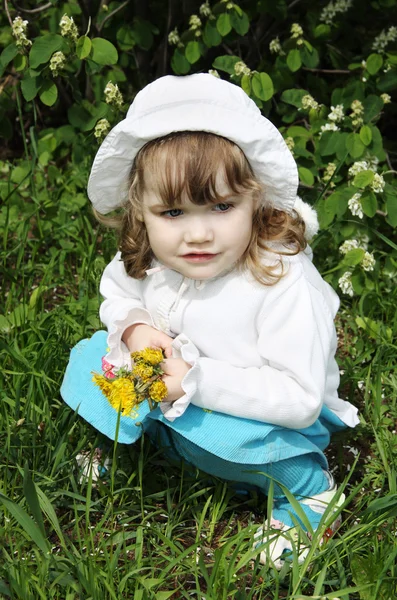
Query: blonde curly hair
[(187, 164)]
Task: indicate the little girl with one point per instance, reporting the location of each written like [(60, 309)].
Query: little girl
[(215, 270)]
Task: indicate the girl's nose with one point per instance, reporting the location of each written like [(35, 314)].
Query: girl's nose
[(198, 231)]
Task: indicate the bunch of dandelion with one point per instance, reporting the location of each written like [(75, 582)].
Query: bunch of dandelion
[(126, 389)]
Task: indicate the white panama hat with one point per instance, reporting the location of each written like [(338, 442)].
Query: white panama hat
[(198, 102)]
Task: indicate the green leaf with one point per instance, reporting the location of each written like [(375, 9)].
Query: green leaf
[(353, 257), (388, 81), (369, 203), (103, 52), (240, 22), (310, 57), (354, 145), (226, 63), (43, 48), (224, 24), (246, 84), (179, 63), (364, 178), (8, 54), (336, 203), (83, 47), (20, 62), (143, 33), (192, 52), (322, 31), (125, 37), (365, 135), (374, 63), (48, 93), (293, 97), (328, 143), (211, 36), (262, 86), (31, 498), (297, 131), (28, 525), (30, 87), (358, 282), (373, 105), (83, 119), (305, 176), (391, 208), (294, 60)]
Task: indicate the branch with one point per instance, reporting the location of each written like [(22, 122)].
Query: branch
[(116, 10), (7, 12), (31, 10), (330, 71)]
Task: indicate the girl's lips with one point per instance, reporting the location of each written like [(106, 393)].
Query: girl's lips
[(204, 257)]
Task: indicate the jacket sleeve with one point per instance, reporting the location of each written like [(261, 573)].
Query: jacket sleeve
[(296, 340), (122, 306)]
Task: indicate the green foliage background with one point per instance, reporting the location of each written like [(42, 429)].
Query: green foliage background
[(325, 73)]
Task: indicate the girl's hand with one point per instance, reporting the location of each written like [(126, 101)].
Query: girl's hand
[(175, 370), (140, 336)]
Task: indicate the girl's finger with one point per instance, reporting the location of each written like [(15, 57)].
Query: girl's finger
[(168, 351)]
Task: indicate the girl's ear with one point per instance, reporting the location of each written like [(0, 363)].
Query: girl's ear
[(139, 216)]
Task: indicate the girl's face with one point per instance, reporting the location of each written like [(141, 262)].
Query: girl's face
[(200, 242)]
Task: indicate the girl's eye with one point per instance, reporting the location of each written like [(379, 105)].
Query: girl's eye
[(222, 207), (172, 213)]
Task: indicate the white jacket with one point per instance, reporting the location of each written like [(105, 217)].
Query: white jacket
[(259, 352)]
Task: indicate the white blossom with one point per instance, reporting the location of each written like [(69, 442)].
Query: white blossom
[(368, 262), (373, 162), (378, 183), (205, 9), (240, 68), (113, 95), (275, 46), (19, 28), (384, 38), (362, 239), (68, 27), (102, 128), (328, 127), (345, 283), (386, 98), (357, 167), (173, 37), (336, 113), (330, 11), (357, 112), (355, 206), (194, 22), (329, 171), (290, 142), (309, 102), (296, 31), (348, 245), (214, 72), (57, 63)]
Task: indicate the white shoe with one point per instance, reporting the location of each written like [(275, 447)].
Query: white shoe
[(283, 542), (89, 462)]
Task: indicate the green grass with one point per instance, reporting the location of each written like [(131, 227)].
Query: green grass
[(152, 530)]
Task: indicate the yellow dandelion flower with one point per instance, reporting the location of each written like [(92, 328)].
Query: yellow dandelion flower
[(153, 356), (123, 396), (158, 391), (103, 383), (143, 371)]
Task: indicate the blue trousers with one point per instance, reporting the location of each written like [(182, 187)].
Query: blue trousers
[(235, 449)]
